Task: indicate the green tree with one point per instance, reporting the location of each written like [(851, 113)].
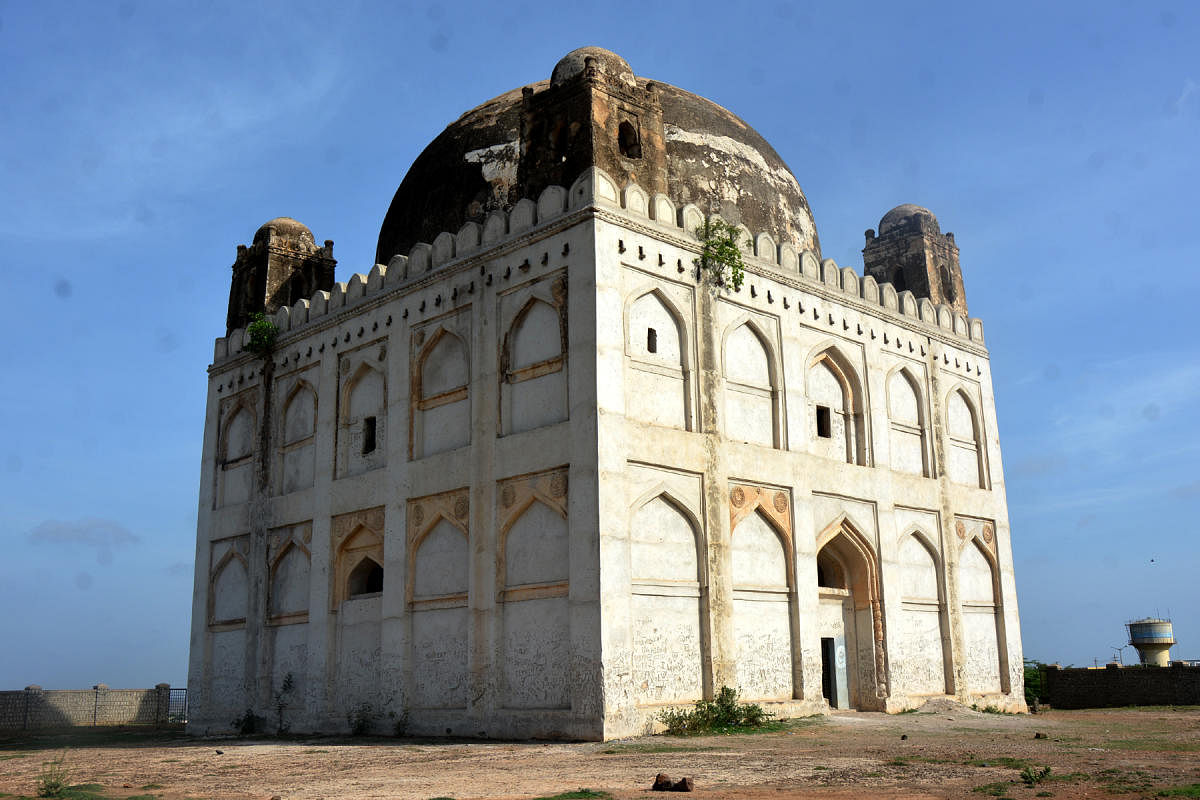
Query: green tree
[(719, 252)]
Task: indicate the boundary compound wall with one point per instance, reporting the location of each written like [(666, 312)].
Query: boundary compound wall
[(1121, 686), (34, 707)]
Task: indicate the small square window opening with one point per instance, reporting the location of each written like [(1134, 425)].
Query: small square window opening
[(824, 423), (368, 435)]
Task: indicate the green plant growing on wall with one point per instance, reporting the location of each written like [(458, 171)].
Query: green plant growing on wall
[(262, 333), (359, 719), (719, 252), (281, 702), (1034, 682), (248, 723), (721, 715)]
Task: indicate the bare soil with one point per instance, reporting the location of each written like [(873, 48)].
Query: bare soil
[(944, 752)]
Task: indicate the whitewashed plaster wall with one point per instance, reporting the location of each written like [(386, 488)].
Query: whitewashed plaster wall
[(651, 434), (666, 611), (478, 656), (761, 615), (922, 648)]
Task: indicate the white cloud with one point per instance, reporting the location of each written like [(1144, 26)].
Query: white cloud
[(1190, 88), (102, 534), (1124, 410), (1114, 438)]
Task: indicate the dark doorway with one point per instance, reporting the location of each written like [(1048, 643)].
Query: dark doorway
[(827, 667)]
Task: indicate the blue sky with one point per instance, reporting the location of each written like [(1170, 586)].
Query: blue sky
[(143, 141)]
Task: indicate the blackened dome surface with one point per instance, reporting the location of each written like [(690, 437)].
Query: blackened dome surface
[(722, 165), (714, 160), (909, 217)]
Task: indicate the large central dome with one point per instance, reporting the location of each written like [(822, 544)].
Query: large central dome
[(595, 112)]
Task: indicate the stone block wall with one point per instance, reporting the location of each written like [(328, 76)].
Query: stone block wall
[(1121, 686), (34, 707)]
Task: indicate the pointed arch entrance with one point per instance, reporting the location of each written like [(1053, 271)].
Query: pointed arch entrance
[(850, 619)]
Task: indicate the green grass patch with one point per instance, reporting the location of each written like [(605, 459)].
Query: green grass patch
[(1070, 777), (774, 726), (1159, 708), (1155, 745), (95, 737), (1118, 781), (999, 761), (654, 747), (578, 794), (81, 791), (819, 768), (896, 762), (1191, 790), (770, 726), (999, 789), (992, 710)]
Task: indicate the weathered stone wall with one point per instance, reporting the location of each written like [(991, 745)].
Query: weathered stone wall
[(34, 708), (1121, 686)]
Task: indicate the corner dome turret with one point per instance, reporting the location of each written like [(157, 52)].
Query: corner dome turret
[(909, 217), (287, 228)]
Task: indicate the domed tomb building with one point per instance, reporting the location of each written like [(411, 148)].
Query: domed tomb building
[(535, 474)]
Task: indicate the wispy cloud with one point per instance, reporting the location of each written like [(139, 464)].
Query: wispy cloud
[(1187, 490), (1114, 413), (1112, 438), (1190, 88), (101, 535), (90, 531), (1044, 463), (1091, 498)]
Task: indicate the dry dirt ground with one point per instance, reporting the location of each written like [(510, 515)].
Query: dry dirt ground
[(952, 752)]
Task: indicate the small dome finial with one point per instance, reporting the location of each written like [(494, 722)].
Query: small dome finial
[(909, 216), (286, 227), (587, 60)]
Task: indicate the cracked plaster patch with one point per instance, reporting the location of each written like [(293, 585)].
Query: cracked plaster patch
[(497, 162)]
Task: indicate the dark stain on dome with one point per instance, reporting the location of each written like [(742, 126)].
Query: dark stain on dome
[(595, 113)]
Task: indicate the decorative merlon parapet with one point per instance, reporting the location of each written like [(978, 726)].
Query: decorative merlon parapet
[(596, 188)]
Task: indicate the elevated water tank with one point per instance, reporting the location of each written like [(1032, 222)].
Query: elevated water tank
[(1153, 639)]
